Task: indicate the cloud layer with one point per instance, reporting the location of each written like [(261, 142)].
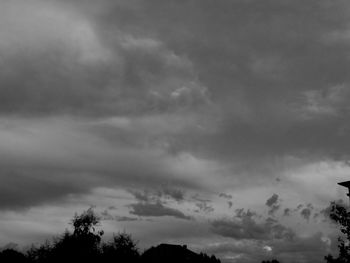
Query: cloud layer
[(179, 110)]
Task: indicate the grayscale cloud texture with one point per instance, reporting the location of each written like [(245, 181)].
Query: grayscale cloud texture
[(167, 110)]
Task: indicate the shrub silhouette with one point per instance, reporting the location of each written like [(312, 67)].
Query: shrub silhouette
[(40, 254), (123, 248)]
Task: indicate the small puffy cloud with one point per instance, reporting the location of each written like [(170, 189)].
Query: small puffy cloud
[(202, 204), (204, 207), (272, 200), (273, 204), (267, 248), (306, 213), (287, 212)]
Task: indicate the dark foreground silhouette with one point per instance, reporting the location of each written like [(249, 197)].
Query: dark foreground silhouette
[(84, 245), (341, 215), (175, 253)]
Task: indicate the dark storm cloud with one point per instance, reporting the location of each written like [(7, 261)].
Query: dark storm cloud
[(274, 72), (45, 161), (156, 210), (307, 249), (22, 188), (246, 226), (302, 249), (57, 61), (270, 77), (276, 69), (247, 251), (255, 240), (196, 94), (59, 65), (247, 229)]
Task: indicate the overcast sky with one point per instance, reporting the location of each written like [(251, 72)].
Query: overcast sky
[(220, 124)]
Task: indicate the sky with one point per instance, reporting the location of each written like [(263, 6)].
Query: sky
[(220, 124)]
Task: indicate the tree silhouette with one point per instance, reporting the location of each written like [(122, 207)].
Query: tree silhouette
[(85, 245), (341, 216), (85, 232), (123, 247), (85, 225), (40, 254)]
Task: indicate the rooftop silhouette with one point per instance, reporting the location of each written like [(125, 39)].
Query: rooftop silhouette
[(175, 253)]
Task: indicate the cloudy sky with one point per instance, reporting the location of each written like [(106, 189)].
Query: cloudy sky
[(220, 124)]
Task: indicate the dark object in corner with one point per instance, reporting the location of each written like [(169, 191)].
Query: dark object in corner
[(11, 255)]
